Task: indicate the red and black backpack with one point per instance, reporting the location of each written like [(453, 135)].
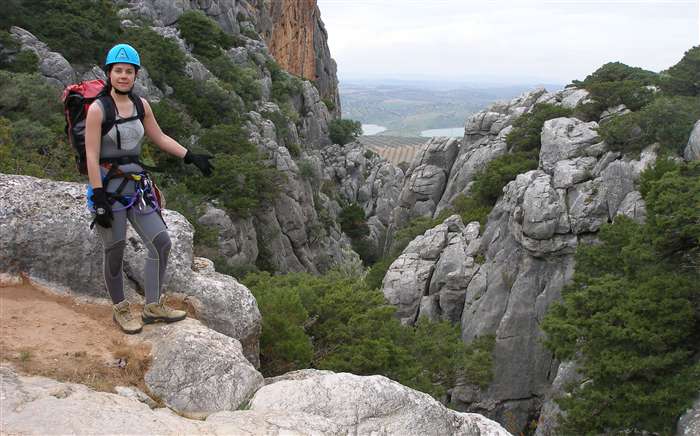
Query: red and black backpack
[(77, 98)]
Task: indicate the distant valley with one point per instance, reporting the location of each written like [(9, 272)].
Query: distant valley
[(407, 108)]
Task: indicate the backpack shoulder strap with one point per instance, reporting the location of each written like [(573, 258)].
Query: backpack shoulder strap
[(140, 110), (110, 113)]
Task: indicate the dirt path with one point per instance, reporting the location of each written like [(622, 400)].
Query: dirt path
[(55, 336)]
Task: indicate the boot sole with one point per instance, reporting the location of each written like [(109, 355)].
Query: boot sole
[(155, 319)]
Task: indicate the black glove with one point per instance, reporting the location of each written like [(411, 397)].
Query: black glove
[(201, 161), (103, 210)]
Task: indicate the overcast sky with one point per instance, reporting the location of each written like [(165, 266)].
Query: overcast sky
[(506, 41)]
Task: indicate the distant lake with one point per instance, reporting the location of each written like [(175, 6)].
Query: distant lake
[(372, 129), (452, 132)]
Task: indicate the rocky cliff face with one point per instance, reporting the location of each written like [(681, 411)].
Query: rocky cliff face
[(502, 281), (294, 235), (298, 40)]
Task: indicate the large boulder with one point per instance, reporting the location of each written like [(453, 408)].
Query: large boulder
[(566, 138), (44, 233), (348, 404), (367, 405), (197, 371), (54, 67), (431, 275)]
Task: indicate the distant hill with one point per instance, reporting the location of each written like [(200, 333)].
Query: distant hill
[(407, 108)]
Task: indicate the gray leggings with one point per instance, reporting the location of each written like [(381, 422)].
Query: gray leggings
[(155, 236)]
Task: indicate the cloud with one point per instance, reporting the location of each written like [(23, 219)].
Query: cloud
[(554, 40)]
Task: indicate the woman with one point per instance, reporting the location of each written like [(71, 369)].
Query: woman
[(120, 189)]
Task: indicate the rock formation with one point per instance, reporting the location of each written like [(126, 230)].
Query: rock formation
[(430, 277), (301, 403), (353, 174), (298, 40), (197, 371), (44, 232), (367, 405), (527, 248)]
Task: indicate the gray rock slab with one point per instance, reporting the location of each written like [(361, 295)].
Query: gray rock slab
[(565, 138), (368, 405), (197, 371)]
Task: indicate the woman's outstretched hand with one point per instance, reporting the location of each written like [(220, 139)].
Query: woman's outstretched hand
[(201, 161)]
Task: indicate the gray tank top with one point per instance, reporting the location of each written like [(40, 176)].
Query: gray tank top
[(131, 134)]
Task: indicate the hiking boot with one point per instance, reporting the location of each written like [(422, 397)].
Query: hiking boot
[(155, 312), (121, 313)]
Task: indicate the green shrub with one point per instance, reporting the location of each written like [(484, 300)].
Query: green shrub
[(32, 123), (344, 131), (329, 104), (284, 345), (280, 122), (471, 209), (28, 96), (24, 61), (173, 120), (376, 273), (307, 172), (352, 330), (353, 222), (243, 81), (488, 184), (161, 56), (630, 317), (527, 129), (284, 85), (240, 182), (616, 83), (684, 77), (81, 30), (206, 101), (673, 211), (250, 33), (203, 33), (226, 139), (667, 120), (191, 205), (294, 150)]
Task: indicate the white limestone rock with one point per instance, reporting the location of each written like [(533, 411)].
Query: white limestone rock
[(369, 405)]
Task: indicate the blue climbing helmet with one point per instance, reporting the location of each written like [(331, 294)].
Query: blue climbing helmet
[(123, 54)]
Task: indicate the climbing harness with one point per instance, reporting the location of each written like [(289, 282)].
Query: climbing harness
[(146, 194)]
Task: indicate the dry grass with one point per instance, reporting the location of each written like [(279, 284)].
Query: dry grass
[(128, 368)]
